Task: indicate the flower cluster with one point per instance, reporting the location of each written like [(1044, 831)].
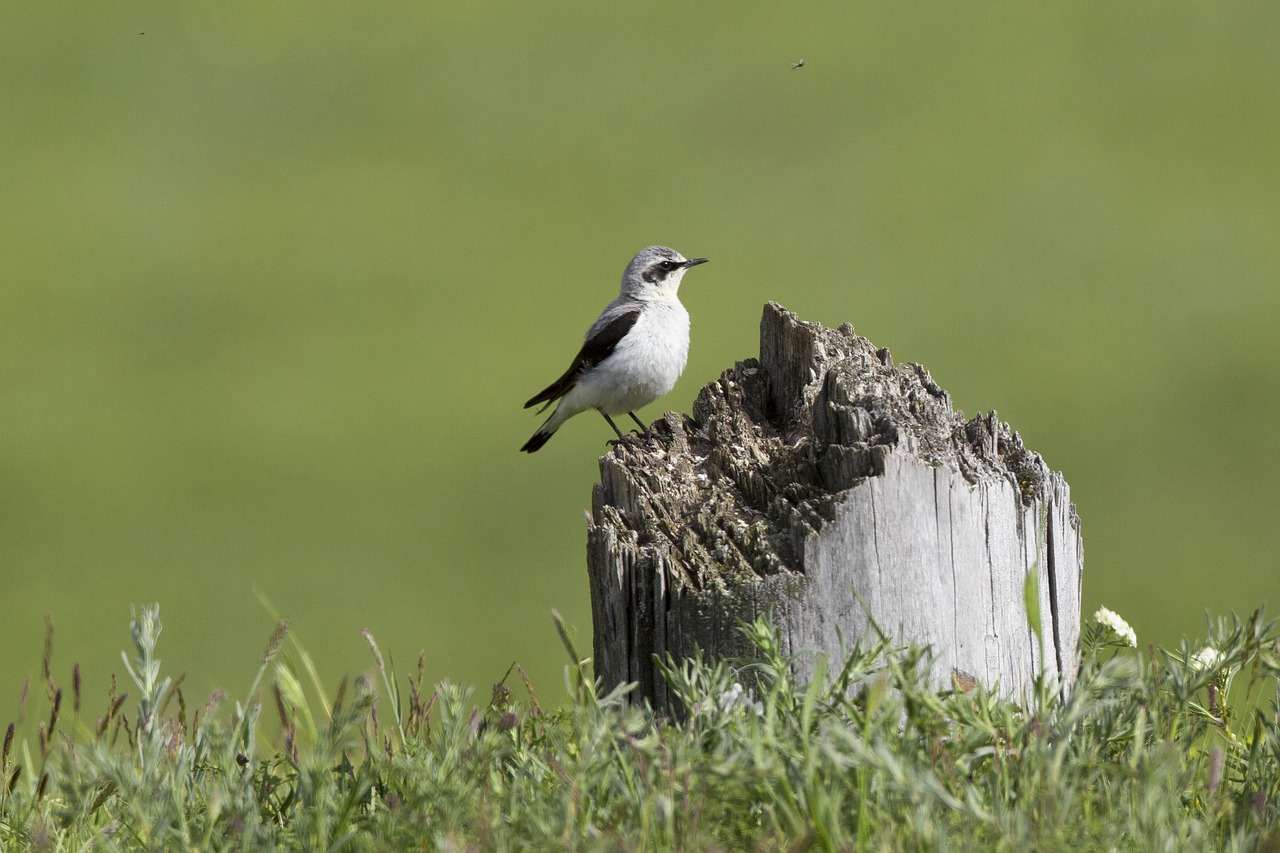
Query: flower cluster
[(737, 697), (1207, 658), (1115, 623)]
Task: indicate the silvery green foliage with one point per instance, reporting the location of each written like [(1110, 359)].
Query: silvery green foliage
[(1180, 751)]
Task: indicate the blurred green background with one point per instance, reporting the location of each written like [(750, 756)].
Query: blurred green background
[(278, 277)]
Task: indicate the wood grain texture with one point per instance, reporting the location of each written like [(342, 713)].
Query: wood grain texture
[(817, 485)]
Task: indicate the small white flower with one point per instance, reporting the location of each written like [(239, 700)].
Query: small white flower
[(1112, 620), (730, 697), (1206, 658), (736, 697)]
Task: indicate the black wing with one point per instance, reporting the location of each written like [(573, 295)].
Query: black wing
[(597, 348)]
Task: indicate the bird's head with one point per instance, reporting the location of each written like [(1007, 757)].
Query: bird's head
[(655, 273)]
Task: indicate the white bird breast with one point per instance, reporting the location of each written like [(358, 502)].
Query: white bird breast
[(645, 364)]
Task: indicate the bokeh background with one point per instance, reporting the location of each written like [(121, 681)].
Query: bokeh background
[(276, 278)]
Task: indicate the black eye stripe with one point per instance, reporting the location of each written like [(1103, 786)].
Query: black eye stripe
[(653, 273)]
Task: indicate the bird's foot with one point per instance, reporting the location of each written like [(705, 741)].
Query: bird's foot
[(627, 438)]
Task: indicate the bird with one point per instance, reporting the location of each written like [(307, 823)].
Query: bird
[(633, 353), (796, 65)]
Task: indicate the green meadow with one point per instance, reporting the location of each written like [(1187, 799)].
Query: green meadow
[(275, 280), (1157, 749)]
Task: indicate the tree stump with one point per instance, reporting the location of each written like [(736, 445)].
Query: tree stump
[(817, 483)]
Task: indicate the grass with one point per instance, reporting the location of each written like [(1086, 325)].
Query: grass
[(1156, 750)]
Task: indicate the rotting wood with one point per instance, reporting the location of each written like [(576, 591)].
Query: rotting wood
[(817, 475)]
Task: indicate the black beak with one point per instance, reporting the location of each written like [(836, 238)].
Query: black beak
[(695, 261)]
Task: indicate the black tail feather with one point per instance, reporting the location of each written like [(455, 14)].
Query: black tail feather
[(538, 439)]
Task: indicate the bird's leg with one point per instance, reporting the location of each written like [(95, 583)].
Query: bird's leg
[(611, 423), (637, 420)]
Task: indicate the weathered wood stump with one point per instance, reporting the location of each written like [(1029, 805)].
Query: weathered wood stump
[(819, 475)]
